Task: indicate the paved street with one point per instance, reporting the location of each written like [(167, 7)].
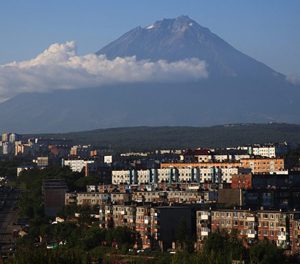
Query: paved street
[(8, 218)]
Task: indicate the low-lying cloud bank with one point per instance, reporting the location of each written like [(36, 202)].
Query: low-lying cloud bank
[(293, 79), (59, 67)]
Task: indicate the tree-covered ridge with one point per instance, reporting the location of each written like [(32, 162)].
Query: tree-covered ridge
[(150, 138)]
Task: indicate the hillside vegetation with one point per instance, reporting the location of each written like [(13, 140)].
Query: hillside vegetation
[(151, 138)]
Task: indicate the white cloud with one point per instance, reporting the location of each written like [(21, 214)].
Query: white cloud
[(293, 79), (59, 67)]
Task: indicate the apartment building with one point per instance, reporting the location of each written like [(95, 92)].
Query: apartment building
[(201, 165), (92, 198), (124, 177), (294, 218), (185, 197), (264, 151), (143, 225), (42, 161), (70, 198), (95, 198), (86, 198), (149, 196), (205, 172), (120, 198), (76, 165), (172, 173), (243, 221), (257, 165), (197, 155), (203, 226), (106, 216), (146, 176), (275, 225), (124, 215), (263, 165), (241, 181)]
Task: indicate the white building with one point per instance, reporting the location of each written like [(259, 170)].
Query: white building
[(8, 148), (207, 174), (121, 176), (108, 159), (241, 156), (227, 173), (76, 165), (144, 176), (14, 137), (264, 151), (185, 174), (167, 175)]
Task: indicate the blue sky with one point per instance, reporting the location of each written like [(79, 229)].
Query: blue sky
[(265, 30)]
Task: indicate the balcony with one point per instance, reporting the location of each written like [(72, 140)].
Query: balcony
[(251, 219), (282, 236), (204, 217), (251, 234), (205, 231)]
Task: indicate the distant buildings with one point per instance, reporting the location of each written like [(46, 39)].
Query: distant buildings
[(201, 172), (77, 165), (249, 190)]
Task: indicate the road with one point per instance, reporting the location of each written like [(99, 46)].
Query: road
[(8, 218)]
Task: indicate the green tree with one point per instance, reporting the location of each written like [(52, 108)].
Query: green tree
[(182, 236), (265, 252)]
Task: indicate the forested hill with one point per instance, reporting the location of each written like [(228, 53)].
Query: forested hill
[(150, 138)]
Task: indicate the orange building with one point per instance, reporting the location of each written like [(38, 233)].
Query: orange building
[(220, 165), (257, 165), (263, 165)]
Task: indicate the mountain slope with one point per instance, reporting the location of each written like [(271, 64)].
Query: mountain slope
[(238, 89), (191, 104), (181, 38)]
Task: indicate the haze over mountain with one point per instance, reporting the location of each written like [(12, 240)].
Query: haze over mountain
[(226, 87)]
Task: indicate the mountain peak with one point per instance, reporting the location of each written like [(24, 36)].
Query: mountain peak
[(180, 38), (180, 23), (238, 89), (184, 19)]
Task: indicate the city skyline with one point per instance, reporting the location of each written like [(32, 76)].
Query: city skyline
[(149, 131)]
